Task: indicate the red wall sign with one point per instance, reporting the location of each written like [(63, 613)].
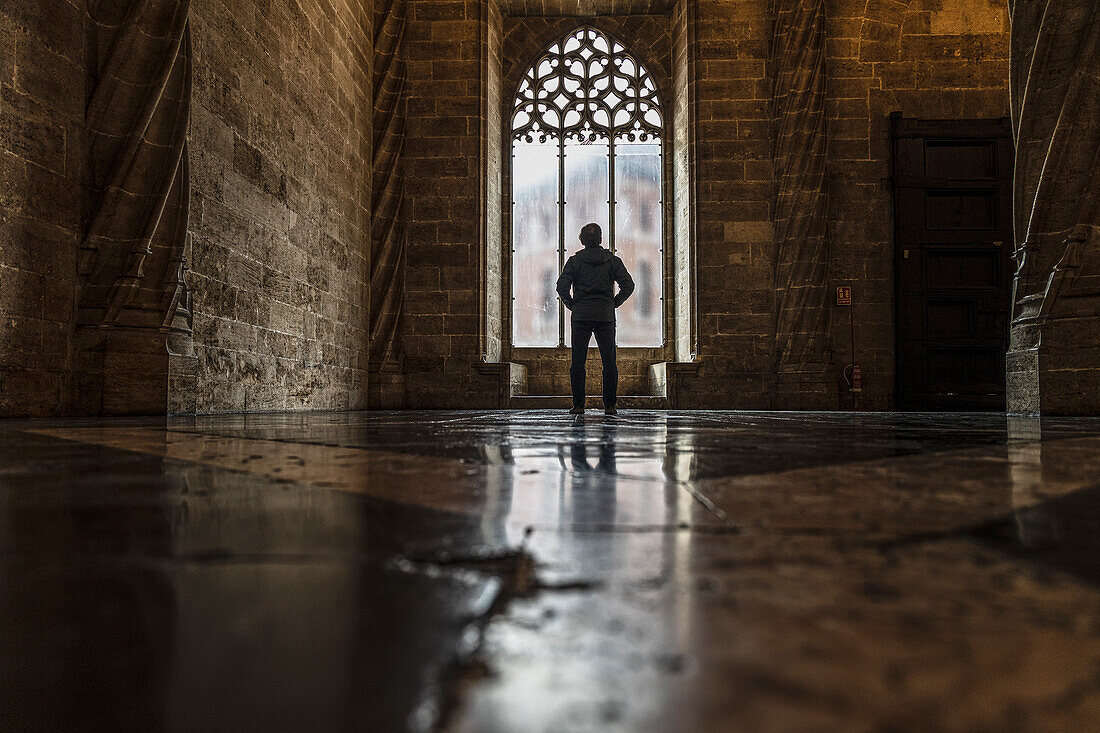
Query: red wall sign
[(844, 295)]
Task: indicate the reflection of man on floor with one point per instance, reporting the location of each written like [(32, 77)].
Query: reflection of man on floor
[(592, 274), (593, 489)]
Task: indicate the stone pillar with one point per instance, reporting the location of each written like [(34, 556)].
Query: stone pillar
[(387, 254), (1054, 353), (441, 326), (733, 254), (802, 354), (133, 309)]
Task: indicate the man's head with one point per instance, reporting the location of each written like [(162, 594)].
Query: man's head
[(591, 235)]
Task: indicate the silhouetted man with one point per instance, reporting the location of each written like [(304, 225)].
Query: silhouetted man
[(592, 274)]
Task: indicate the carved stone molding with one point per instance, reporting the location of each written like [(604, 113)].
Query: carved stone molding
[(132, 259), (387, 256), (801, 272)]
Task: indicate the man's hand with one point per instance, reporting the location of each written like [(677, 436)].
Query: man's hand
[(625, 282), (565, 283)]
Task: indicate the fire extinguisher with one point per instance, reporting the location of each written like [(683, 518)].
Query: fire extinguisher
[(855, 380)]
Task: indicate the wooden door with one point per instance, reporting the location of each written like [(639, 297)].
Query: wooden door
[(952, 239)]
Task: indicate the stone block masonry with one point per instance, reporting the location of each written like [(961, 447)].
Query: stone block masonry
[(279, 208), (41, 179), (734, 234), (278, 244), (444, 197), (924, 58), (938, 59), (281, 141)]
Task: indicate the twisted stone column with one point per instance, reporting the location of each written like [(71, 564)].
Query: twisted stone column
[(801, 272), (1055, 89), (387, 262), (132, 258), (132, 346)]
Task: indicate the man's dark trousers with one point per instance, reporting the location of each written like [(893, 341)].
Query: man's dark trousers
[(605, 338)]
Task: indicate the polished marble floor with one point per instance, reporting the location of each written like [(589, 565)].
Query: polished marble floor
[(534, 571)]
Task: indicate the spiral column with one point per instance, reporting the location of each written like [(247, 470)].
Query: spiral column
[(1055, 90), (801, 273), (133, 346), (387, 276), (132, 257)]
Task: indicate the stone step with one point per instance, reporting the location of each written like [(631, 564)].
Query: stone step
[(552, 402)]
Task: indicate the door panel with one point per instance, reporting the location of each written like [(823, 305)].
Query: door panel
[(972, 268), (952, 216), (944, 158), (959, 211)]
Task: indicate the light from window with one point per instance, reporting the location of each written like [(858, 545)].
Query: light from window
[(535, 234), (638, 239), (586, 146)]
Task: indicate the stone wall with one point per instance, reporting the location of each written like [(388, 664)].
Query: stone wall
[(937, 59), (735, 240), (927, 58), (281, 138), (41, 219), (445, 201), (932, 58)]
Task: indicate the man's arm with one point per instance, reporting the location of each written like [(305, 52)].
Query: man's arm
[(625, 281), (565, 282)]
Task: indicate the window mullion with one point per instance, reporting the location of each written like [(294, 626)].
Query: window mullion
[(561, 231), (611, 189)]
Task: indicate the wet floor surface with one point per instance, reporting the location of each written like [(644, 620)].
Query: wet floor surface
[(532, 571)]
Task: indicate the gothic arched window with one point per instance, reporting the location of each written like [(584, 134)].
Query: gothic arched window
[(586, 147)]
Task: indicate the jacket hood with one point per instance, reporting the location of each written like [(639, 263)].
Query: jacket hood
[(594, 255)]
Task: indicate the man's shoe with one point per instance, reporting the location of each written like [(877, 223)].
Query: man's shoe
[(610, 411), (577, 411)]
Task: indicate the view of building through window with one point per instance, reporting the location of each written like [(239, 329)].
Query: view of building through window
[(586, 147)]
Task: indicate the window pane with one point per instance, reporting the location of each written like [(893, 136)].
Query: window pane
[(587, 184), (638, 240), (586, 189), (535, 244)]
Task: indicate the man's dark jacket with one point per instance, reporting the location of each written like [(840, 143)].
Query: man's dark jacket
[(592, 273)]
